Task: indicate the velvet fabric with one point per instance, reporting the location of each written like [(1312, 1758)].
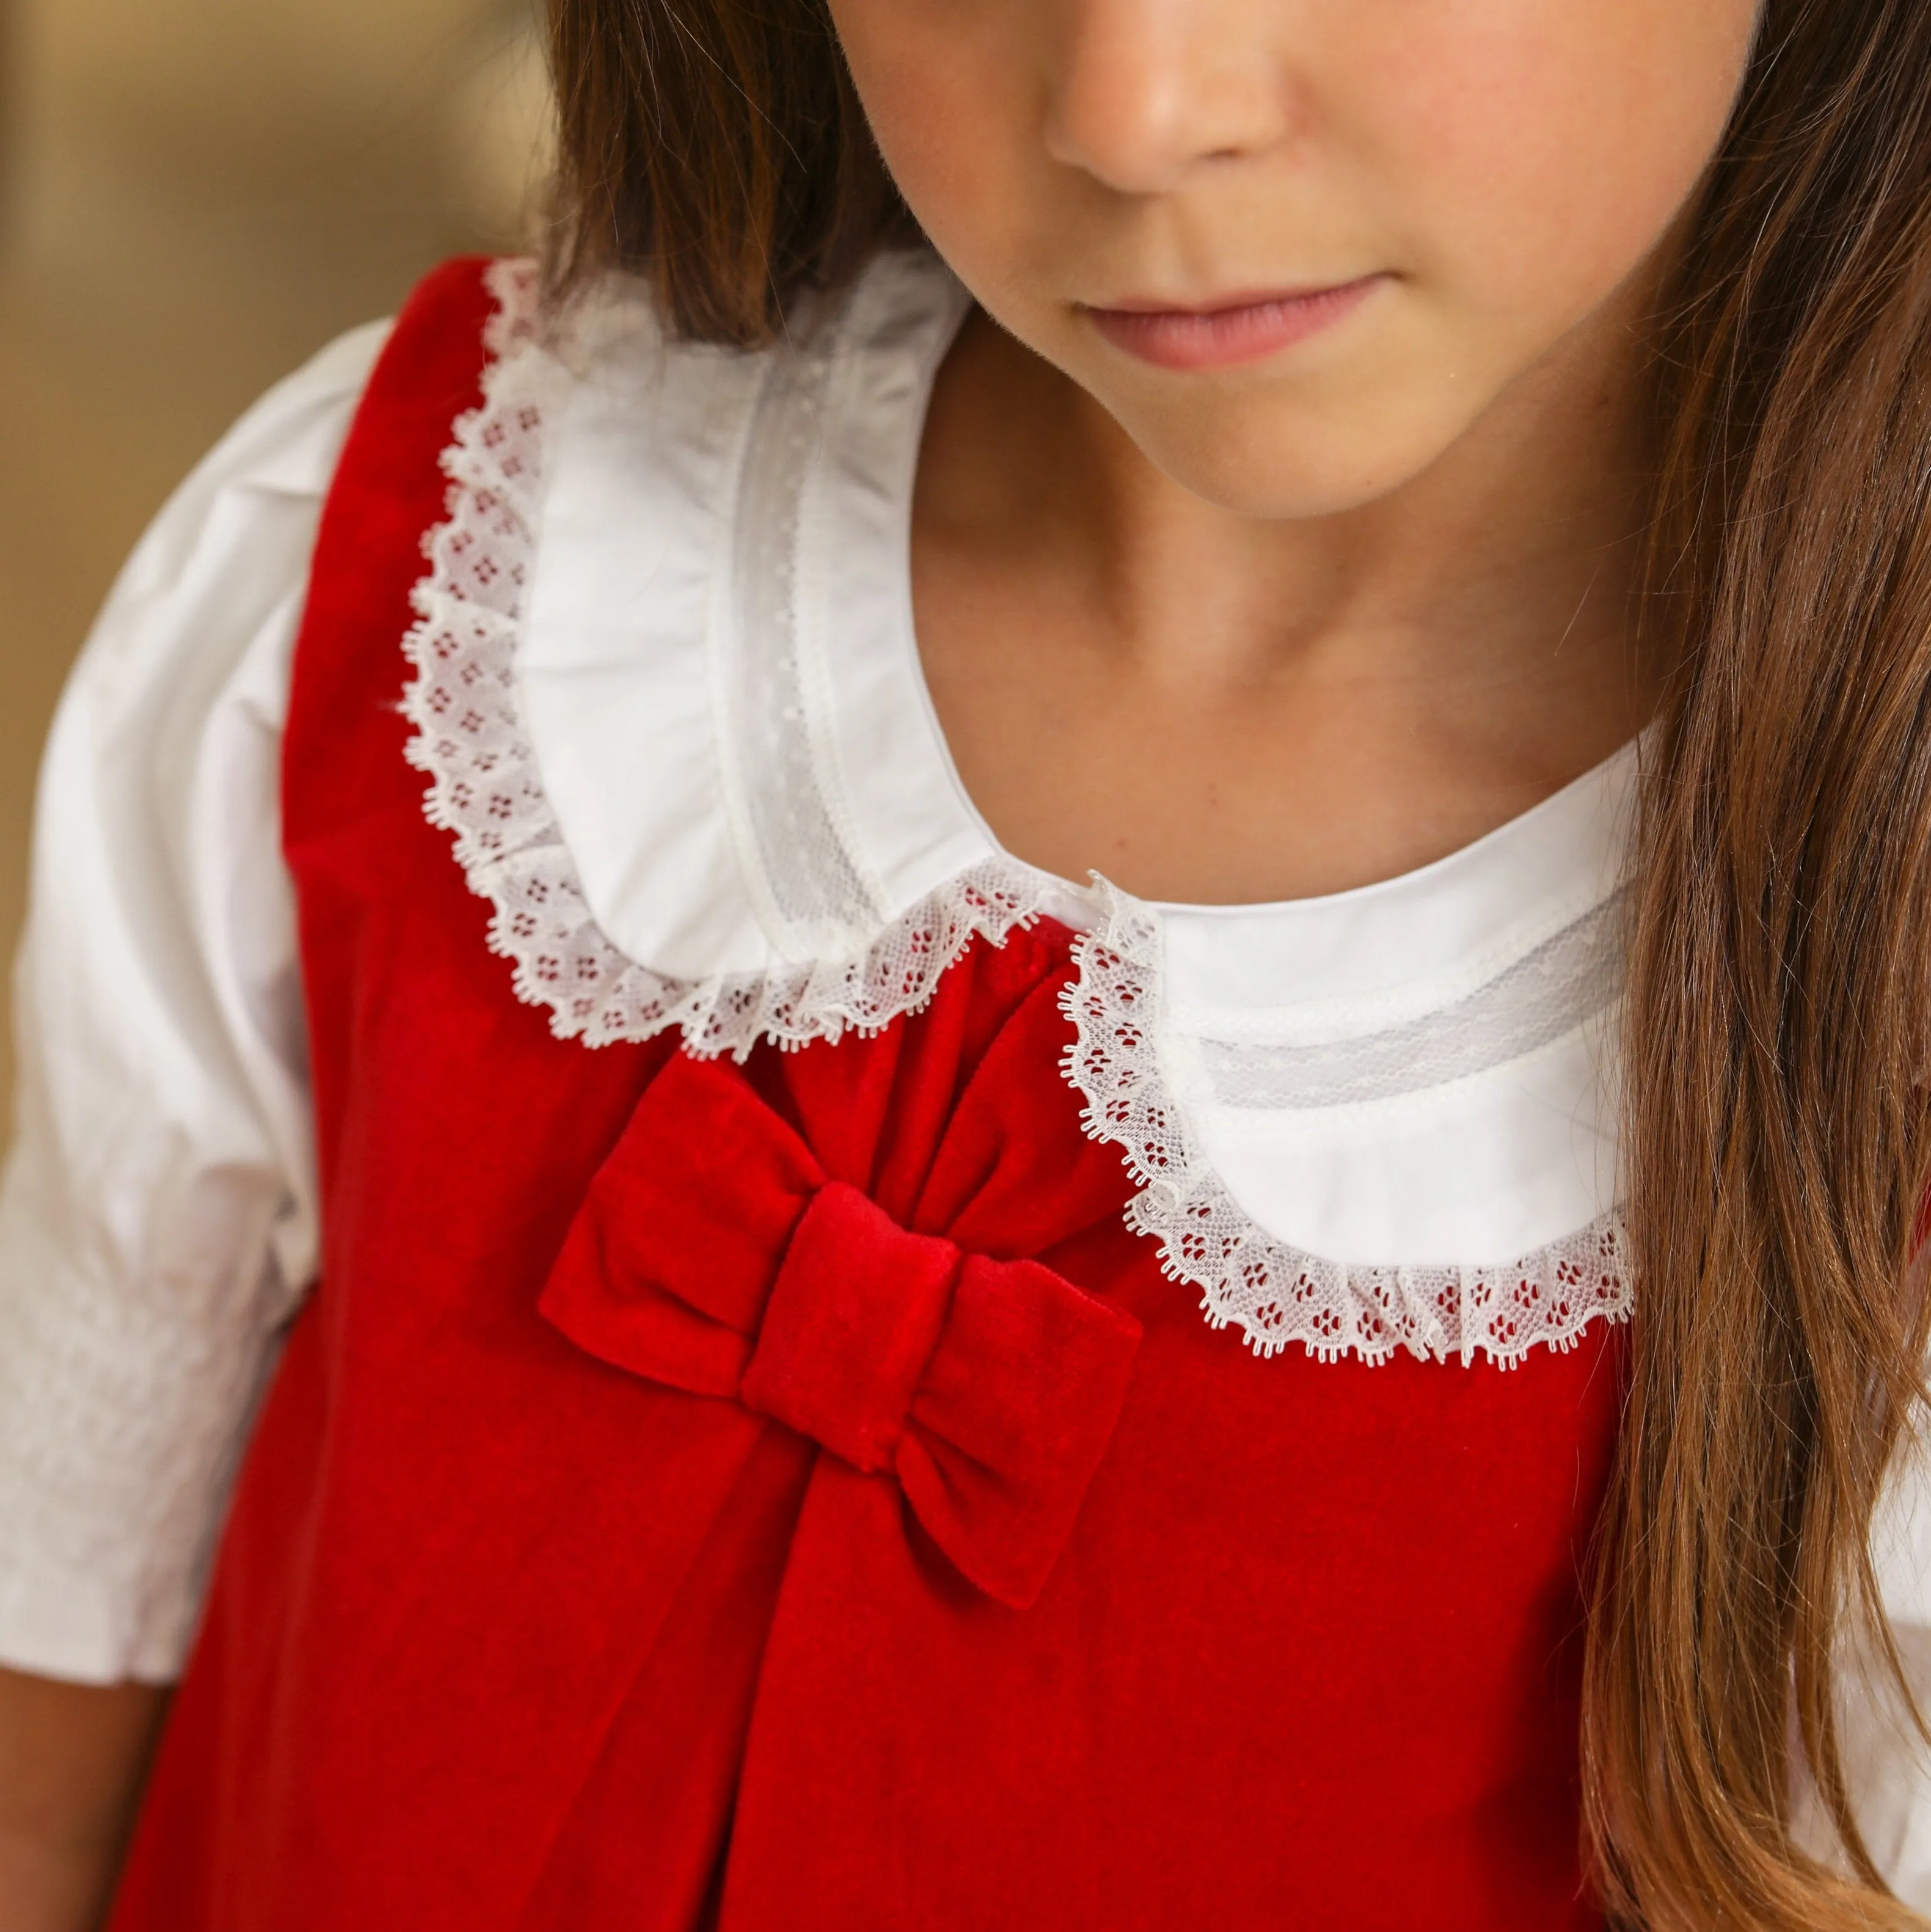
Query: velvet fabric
[(788, 1496)]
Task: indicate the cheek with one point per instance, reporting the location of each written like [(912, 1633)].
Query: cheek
[(1542, 147), (946, 91)]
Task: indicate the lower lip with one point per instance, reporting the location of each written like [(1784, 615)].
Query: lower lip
[(1221, 338)]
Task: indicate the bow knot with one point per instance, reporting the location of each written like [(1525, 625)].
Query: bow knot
[(714, 1254), (855, 1313)]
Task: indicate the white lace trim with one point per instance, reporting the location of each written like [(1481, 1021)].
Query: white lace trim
[(473, 740), (1277, 1294)]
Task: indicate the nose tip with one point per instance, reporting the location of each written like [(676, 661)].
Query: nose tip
[(1128, 133), (1148, 90)]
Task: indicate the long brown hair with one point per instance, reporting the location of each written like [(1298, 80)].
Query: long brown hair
[(1777, 1033)]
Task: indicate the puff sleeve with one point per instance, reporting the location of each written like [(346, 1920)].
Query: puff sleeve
[(158, 1221)]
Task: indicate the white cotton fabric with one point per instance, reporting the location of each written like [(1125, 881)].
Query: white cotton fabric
[(1516, 1150), (653, 512), (158, 1219)]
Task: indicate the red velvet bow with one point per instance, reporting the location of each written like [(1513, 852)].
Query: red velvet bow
[(714, 1254)]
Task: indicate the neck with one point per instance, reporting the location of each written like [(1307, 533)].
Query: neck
[(1477, 617), (1512, 555)]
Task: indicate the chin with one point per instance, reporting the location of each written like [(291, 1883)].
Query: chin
[(1332, 426), (1293, 462)]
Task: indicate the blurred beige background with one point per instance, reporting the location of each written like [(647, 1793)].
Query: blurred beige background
[(194, 195)]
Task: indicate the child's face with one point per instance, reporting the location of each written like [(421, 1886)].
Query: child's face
[(1486, 185)]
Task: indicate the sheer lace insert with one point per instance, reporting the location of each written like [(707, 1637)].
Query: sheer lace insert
[(818, 888), (1569, 979)]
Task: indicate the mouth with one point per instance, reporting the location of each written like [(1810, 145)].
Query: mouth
[(1222, 334)]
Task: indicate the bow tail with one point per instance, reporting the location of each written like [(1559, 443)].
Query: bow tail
[(1010, 1422)]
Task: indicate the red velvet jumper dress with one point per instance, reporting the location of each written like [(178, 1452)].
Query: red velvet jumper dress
[(785, 1494)]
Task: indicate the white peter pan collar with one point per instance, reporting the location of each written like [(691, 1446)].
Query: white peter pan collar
[(722, 554), (670, 696)]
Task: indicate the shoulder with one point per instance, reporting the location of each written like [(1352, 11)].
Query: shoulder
[(216, 580), (270, 471)]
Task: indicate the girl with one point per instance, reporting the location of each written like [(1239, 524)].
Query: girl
[(1287, 642)]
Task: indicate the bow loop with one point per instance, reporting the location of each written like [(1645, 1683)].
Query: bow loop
[(714, 1255), (667, 1265)]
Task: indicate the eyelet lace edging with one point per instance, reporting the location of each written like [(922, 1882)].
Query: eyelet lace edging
[(472, 741), (1276, 1294)]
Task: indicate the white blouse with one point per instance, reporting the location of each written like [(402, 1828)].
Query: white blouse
[(710, 793)]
